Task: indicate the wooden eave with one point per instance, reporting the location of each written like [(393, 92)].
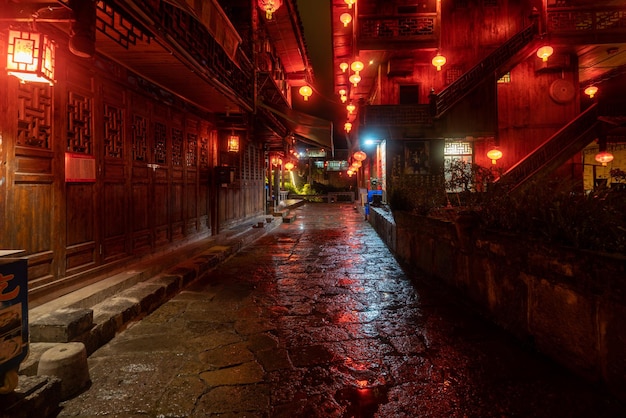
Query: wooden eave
[(186, 61)]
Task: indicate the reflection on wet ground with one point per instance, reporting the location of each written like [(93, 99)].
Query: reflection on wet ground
[(317, 319)]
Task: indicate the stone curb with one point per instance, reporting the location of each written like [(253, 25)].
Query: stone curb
[(94, 323)]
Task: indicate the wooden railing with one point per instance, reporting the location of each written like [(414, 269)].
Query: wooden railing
[(223, 60), (485, 69), (586, 20), (396, 115), (555, 151), (394, 29)]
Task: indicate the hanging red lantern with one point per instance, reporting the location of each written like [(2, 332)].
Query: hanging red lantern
[(494, 155), (544, 52), (604, 157), (439, 61), (591, 91), (269, 6), (289, 166), (30, 57), (359, 156), (306, 92)]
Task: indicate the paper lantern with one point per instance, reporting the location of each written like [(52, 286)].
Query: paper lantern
[(544, 52), (30, 57), (306, 92), (494, 155), (270, 6), (438, 61)]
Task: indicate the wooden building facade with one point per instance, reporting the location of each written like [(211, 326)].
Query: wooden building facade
[(126, 155), (492, 91)]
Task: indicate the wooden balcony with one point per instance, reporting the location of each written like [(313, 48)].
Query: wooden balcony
[(419, 30), (585, 25), (396, 116)]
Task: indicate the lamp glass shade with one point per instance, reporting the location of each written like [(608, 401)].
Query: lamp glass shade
[(494, 155), (604, 157), (591, 91), (30, 57), (439, 61), (306, 92), (544, 52), (359, 156), (269, 6)]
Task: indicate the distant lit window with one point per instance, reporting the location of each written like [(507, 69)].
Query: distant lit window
[(505, 78), (456, 151)]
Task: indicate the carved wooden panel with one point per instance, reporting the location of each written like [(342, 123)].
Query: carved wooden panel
[(113, 131), (177, 147), (139, 138), (160, 143), (80, 234), (34, 115), (79, 123)]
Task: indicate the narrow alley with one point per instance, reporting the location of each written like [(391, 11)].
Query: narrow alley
[(317, 319)]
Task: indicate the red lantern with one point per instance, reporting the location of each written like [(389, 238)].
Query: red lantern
[(30, 57), (438, 61), (494, 155), (359, 156), (604, 157), (306, 92), (289, 166), (270, 6)]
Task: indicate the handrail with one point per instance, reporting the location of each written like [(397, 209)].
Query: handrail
[(471, 79)]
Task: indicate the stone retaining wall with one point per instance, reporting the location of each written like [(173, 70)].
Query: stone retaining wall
[(570, 305)]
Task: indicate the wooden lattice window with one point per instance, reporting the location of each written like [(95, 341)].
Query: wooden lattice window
[(177, 147), (192, 150), (140, 138), (160, 143), (34, 115), (113, 131), (79, 116)]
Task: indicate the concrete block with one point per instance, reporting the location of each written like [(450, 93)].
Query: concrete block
[(61, 326)]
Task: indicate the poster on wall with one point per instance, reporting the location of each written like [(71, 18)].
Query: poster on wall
[(416, 157), (80, 168)]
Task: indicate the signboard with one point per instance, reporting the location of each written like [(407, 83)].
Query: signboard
[(13, 315), (80, 168)]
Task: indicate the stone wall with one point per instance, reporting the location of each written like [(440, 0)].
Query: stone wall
[(570, 305)]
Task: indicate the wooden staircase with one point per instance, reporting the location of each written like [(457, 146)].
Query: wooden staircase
[(494, 66), (555, 151)]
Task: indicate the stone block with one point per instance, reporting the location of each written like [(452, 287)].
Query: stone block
[(35, 396), (68, 362), (61, 326)]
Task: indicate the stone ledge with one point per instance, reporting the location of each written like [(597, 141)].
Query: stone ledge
[(35, 396)]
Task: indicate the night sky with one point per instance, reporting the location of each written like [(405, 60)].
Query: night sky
[(315, 16)]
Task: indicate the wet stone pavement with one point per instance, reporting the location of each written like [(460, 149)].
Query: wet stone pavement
[(317, 319)]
